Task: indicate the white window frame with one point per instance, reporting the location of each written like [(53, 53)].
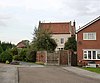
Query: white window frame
[(89, 36), (85, 52)]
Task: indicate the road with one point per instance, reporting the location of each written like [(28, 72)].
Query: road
[(51, 75)]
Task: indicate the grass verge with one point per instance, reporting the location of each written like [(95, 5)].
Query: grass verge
[(97, 70)]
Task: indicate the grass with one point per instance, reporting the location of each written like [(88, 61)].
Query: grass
[(97, 70)]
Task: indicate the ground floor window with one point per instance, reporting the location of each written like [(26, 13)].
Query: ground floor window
[(60, 48), (91, 54)]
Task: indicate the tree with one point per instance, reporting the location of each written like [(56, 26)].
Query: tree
[(42, 40), (71, 44), (7, 45), (1, 50)]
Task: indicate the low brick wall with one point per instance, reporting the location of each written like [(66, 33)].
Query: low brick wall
[(63, 57), (41, 56)]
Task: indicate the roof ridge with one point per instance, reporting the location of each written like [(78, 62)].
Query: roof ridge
[(55, 22), (88, 23)]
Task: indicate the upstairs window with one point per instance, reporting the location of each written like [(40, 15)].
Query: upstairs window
[(89, 36), (62, 40)]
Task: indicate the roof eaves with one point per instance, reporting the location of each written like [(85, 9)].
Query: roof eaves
[(98, 18), (60, 33)]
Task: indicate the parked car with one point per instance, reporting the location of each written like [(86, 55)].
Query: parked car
[(91, 64)]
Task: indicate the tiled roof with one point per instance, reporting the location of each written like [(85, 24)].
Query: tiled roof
[(21, 45), (56, 28)]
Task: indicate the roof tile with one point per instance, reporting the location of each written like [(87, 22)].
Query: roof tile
[(56, 28)]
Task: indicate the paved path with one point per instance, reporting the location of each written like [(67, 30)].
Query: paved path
[(82, 72), (51, 75), (8, 75)]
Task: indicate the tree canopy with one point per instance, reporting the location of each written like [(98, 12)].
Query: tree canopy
[(43, 40), (71, 44), (6, 45)]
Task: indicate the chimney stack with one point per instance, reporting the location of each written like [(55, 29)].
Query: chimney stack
[(74, 23)]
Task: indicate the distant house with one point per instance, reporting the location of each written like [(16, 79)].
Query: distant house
[(60, 32), (88, 42), (23, 44)]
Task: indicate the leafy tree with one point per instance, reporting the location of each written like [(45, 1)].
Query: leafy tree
[(26, 42), (71, 44), (43, 40), (1, 50), (7, 45)]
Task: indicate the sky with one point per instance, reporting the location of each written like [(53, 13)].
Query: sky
[(18, 18)]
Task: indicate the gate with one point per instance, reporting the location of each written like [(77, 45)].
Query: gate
[(64, 57), (53, 58), (73, 59)]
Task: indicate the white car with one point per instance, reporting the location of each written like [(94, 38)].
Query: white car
[(91, 64)]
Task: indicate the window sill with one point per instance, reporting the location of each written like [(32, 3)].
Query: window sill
[(92, 59), (89, 39)]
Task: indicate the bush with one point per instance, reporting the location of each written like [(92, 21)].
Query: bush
[(22, 54), (16, 57), (31, 56), (5, 56), (14, 51), (7, 62)]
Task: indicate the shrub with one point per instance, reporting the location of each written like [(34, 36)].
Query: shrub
[(22, 54), (31, 56), (6, 56), (16, 57), (7, 62), (14, 51)]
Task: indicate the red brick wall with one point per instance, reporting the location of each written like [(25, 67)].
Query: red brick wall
[(61, 56), (41, 56), (88, 44)]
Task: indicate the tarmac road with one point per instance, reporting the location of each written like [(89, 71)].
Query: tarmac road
[(51, 75)]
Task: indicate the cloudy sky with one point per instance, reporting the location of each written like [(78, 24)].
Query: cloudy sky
[(19, 17)]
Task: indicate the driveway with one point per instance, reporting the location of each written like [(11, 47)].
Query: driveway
[(51, 75)]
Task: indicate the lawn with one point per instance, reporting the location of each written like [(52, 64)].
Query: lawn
[(97, 70)]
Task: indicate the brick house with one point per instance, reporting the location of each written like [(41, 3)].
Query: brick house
[(60, 31), (88, 42), (22, 44)]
